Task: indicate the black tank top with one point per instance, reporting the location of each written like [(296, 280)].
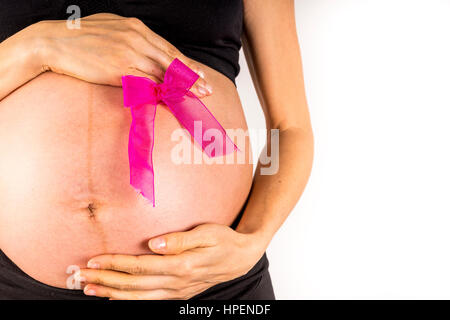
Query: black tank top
[(208, 31)]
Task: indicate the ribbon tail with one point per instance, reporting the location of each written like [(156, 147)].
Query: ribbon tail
[(140, 150), (202, 125)]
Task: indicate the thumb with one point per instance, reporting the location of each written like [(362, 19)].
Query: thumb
[(177, 242)]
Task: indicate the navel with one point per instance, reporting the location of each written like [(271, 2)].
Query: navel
[(91, 210)]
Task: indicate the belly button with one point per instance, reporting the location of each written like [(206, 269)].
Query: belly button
[(91, 208)]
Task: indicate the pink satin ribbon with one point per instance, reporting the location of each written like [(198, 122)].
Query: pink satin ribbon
[(142, 95)]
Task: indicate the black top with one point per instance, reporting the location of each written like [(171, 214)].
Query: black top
[(208, 31)]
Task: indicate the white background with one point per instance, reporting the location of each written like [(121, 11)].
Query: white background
[(374, 221)]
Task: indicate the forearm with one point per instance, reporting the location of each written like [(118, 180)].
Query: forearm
[(273, 196), (271, 47), (19, 61)]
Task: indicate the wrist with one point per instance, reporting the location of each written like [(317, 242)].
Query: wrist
[(257, 238), (36, 48)]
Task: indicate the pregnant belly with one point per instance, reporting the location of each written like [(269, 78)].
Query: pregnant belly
[(64, 175)]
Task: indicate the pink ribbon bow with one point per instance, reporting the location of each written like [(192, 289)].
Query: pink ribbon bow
[(142, 95)]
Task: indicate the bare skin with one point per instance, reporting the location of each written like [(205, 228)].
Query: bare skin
[(190, 262)]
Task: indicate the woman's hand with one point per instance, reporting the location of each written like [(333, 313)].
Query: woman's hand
[(187, 264), (106, 47)]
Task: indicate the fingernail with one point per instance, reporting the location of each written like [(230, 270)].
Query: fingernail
[(202, 90), (89, 292), (209, 88), (158, 243), (93, 265)]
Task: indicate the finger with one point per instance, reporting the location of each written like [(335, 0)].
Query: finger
[(125, 281), (161, 51), (201, 87), (139, 73), (146, 67), (139, 265), (165, 53), (152, 45), (116, 294), (177, 242), (149, 67), (143, 58)]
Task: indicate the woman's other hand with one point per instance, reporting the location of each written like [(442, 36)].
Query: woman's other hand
[(187, 264), (106, 47)]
